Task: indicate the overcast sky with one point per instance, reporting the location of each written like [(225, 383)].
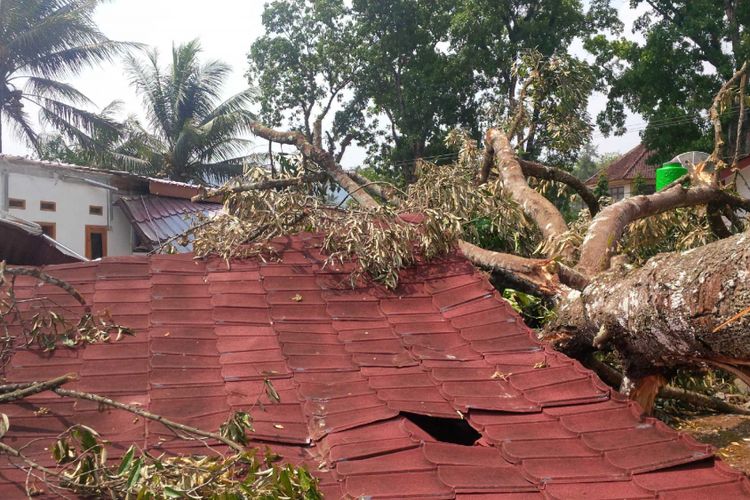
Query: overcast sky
[(226, 29)]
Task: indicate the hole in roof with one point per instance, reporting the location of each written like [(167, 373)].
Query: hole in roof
[(445, 430)]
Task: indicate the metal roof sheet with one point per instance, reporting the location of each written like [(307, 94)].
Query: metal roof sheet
[(373, 383), (157, 219)]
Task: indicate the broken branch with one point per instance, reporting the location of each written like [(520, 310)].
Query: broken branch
[(534, 169), (147, 414), (37, 387), (546, 216), (607, 228), (258, 186)]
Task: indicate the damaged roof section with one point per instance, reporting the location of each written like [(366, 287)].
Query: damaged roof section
[(434, 390), (23, 243)]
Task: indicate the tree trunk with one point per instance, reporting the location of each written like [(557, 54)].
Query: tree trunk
[(680, 309)]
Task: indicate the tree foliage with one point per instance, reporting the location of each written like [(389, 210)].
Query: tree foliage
[(690, 47), (191, 135), (411, 71), (42, 43)]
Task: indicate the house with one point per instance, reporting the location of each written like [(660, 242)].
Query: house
[(434, 390), (94, 212), (622, 173)]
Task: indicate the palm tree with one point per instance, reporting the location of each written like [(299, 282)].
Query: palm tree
[(191, 134), (41, 42)]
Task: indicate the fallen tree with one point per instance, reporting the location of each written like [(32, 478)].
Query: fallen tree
[(679, 309)]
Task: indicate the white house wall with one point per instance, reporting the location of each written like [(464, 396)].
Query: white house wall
[(71, 216)]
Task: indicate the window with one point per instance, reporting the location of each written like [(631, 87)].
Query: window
[(95, 210), (16, 203), (617, 193), (96, 242), (47, 206), (49, 229)]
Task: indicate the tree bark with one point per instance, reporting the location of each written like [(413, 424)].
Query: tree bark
[(534, 169), (546, 216), (679, 310), (607, 228)]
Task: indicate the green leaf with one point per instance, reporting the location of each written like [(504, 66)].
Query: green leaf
[(170, 492), (126, 461), (135, 474)]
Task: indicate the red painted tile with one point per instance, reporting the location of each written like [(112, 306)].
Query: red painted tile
[(534, 430), (321, 425), (607, 490), (479, 478), (429, 408), (660, 455), (399, 380), (398, 485), (403, 461), (435, 340), (407, 305), (517, 450), (454, 454), (385, 360), (571, 469), (733, 491), (574, 392), (367, 334), (385, 346), (424, 327), (326, 391), (641, 434), (618, 418), (319, 407)]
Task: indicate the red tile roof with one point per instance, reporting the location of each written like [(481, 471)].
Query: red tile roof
[(375, 385), (628, 166)]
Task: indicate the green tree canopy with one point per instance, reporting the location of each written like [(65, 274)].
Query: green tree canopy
[(191, 134), (402, 73), (690, 47), (41, 43)]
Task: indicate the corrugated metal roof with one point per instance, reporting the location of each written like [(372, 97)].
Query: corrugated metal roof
[(23, 243), (369, 381), (157, 219)]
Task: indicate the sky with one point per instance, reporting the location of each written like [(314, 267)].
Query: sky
[(159, 23)]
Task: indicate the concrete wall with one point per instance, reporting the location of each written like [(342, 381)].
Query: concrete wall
[(73, 197)]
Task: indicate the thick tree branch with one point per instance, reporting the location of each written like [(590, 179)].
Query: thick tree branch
[(546, 216), (608, 227), (207, 194), (318, 155), (37, 387), (715, 116), (534, 169)]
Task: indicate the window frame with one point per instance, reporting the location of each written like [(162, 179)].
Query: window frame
[(94, 229), (20, 201), (51, 206), (94, 208)]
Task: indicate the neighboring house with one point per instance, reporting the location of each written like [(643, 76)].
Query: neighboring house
[(622, 173), (433, 390), (90, 211)]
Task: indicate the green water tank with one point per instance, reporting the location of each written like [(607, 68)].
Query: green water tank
[(668, 173)]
